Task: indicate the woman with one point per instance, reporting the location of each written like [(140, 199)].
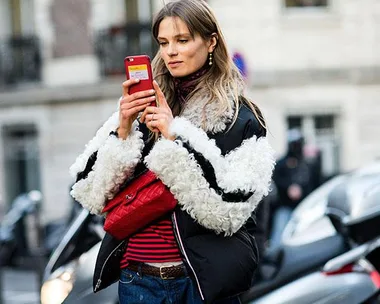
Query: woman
[(212, 155)]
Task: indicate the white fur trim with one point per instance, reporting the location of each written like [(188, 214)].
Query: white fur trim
[(207, 115), (116, 161), (178, 169), (248, 168), (94, 144), (195, 110)]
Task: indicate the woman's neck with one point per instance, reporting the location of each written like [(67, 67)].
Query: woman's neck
[(195, 75), (186, 84)]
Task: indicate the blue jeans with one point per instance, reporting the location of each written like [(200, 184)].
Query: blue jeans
[(137, 288), (280, 219)]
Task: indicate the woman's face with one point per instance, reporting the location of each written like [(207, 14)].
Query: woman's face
[(181, 53)]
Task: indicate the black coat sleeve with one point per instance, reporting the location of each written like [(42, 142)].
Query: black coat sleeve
[(245, 127)]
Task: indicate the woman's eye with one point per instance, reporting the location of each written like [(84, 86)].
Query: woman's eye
[(162, 43), (183, 40)]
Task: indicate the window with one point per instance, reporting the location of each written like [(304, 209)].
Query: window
[(131, 7), (306, 3), (21, 157), (132, 38), (324, 122), (20, 58), (16, 18), (294, 122), (21, 16), (320, 131)]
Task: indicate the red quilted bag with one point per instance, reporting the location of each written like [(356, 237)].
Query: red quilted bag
[(142, 201)]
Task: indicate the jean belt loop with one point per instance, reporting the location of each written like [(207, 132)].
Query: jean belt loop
[(139, 272), (185, 270)]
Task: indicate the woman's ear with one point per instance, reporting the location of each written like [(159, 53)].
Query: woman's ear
[(213, 42)]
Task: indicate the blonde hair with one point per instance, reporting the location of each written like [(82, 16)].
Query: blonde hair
[(222, 80)]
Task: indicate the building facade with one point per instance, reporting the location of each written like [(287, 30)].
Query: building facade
[(310, 64)]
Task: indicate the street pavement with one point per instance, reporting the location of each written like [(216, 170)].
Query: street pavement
[(19, 286)]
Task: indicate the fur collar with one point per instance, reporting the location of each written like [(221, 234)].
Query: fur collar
[(206, 115)]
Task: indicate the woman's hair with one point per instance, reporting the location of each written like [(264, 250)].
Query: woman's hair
[(223, 78)]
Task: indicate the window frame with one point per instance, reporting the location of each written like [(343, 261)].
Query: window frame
[(21, 159), (311, 7), (321, 137), (310, 17)]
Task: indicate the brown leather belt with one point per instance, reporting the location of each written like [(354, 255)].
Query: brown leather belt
[(164, 272)]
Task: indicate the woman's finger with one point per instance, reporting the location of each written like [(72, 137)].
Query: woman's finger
[(146, 117), (132, 111), (151, 117), (126, 84), (142, 94), (155, 116), (136, 106), (138, 96), (149, 110), (160, 96), (137, 102), (152, 128), (142, 117), (154, 124)]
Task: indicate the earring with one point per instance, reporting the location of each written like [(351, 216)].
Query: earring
[(210, 59)]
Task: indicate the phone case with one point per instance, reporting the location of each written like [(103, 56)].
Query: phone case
[(139, 67)]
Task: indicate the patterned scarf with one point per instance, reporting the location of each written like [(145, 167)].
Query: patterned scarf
[(185, 85)]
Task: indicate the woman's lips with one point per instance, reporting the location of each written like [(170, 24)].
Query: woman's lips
[(174, 64)]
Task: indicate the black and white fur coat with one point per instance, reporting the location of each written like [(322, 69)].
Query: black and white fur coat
[(217, 172)]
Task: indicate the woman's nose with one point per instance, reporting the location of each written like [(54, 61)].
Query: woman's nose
[(172, 50)]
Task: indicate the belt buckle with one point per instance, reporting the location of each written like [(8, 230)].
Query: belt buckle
[(162, 275)]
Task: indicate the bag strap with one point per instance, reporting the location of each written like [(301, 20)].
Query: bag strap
[(128, 181)]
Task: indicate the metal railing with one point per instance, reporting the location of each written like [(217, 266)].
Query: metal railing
[(20, 60), (114, 44)]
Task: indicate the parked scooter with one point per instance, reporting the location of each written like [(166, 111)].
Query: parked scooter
[(22, 235), (350, 278), (68, 275), (353, 210), (13, 240), (309, 241)]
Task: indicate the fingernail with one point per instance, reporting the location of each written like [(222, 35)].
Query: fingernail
[(137, 80), (152, 91)]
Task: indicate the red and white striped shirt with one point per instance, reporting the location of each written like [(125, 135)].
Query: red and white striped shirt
[(154, 244)]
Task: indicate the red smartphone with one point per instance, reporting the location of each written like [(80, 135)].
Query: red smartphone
[(139, 67)]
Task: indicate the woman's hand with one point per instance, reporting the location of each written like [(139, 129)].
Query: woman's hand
[(131, 105), (158, 119)]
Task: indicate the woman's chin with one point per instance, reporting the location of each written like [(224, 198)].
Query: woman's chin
[(177, 73)]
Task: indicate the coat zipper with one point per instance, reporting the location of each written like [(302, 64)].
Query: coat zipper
[(104, 264), (182, 248)]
